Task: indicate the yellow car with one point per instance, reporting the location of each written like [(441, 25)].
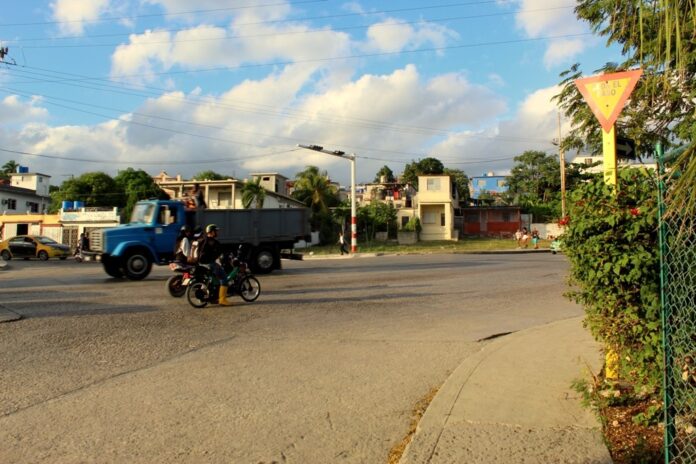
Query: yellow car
[(33, 246)]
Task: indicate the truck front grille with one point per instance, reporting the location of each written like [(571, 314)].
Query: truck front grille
[(96, 240)]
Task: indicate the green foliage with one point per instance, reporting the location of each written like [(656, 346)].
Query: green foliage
[(8, 168), (137, 185), (253, 192), (376, 217), (313, 188), (413, 225), (611, 242), (387, 173), (461, 181), (419, 168), (658, 38), (210, 175), (93, 188)]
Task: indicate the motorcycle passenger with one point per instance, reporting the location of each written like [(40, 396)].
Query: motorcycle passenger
[(182, 249), (210, 251)]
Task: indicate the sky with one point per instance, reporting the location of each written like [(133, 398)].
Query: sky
[(234, 86)]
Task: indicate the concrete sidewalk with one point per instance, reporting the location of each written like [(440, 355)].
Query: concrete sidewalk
[(512, 402)]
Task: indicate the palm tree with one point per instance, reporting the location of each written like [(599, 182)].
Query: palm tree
[(314, 189), (9, 167), (252, 191)]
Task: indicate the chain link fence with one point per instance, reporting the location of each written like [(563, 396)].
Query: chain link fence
[(678, 278)]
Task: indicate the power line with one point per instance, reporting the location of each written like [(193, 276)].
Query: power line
[(153, 15), (296, 114), (275, 34), (146, 163)]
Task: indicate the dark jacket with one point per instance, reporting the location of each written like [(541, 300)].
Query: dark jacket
[(210, 250)]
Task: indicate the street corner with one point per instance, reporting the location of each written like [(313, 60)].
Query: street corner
[(8, 316)]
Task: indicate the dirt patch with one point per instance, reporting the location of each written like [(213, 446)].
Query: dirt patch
[(629, 442), (419, 409)]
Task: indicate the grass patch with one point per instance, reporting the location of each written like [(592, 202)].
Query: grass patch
[(462, 246), (419, 409)]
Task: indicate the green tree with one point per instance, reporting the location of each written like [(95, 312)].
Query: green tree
[(8, 168), (376, 217), (657, 37), (461, 181), (93, 188), (210, 175), (420, 168), (387, 173), (137, 185), (253, 192), (313, 188), (535, 178)]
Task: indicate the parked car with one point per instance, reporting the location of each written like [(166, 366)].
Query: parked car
[(33, 246)]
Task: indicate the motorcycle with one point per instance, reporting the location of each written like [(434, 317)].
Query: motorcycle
[(176, 284), (203, 286)]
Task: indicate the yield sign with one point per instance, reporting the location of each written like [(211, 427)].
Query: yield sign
[(606, 94)]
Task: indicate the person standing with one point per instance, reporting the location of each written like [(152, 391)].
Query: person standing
[(535, 239), (342, 243), (198, 197)]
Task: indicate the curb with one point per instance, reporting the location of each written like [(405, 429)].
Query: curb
[(8, 316), (405, 253), (444, 417)]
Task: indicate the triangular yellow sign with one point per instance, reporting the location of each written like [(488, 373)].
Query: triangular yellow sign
[(607, 94)]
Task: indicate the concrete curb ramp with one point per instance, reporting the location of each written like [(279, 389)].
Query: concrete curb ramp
[(512, 402)]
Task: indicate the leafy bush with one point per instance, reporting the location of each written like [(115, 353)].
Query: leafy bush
[(611, 242), (413, 225)]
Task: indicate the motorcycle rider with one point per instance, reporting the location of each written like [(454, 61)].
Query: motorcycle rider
[(210, 251)]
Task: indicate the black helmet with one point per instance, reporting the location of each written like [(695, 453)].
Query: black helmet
[(185, 229), (211, 228)]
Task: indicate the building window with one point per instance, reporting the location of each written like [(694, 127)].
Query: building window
[(404, 221), (442, 219), (481, 182), (501, 183), (433, 184), (429, 217), (40, 180)]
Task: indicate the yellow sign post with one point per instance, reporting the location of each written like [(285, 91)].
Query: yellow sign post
[(606, 94)]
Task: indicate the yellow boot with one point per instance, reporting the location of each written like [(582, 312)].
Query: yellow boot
[(222, 297)]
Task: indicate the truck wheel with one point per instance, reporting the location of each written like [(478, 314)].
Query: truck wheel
[(264, 261), (137, 264), (111, 266)]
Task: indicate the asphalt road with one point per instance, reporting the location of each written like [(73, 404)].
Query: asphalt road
[(326, 366)]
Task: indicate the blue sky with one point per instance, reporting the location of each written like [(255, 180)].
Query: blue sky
[(235, 85)]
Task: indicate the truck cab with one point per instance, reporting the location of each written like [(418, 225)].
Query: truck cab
[(130, 250)]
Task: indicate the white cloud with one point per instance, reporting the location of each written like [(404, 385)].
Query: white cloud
[(533, 127), (13, 110), (72, 14), (392, 35), (539, 18)]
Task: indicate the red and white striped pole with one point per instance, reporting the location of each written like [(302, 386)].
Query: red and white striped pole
[(353, 215)]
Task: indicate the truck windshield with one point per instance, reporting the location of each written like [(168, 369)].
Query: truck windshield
[(143, 213)]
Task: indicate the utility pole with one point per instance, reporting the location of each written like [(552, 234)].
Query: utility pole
[(353, 215), (561, 157)]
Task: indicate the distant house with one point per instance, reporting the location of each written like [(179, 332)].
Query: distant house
[(227, 193), (488, 185), (26, 193), (494, 221), (437, 199)]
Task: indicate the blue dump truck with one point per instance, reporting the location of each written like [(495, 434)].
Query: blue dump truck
[(131, 249)]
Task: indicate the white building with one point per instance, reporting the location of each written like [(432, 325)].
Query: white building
[(27, 193)]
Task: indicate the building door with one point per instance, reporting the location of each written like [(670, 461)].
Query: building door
[(22, 229), (70, 236)]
